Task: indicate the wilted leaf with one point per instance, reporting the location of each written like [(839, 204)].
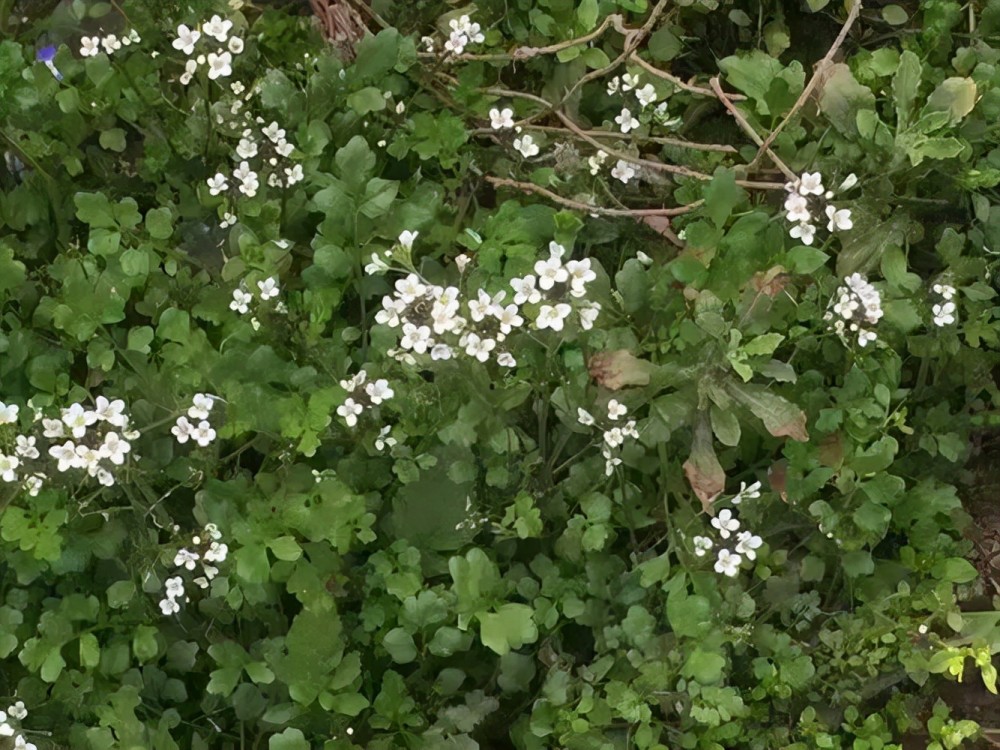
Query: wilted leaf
[(703, 470), (781, 417), (771, 282), (620, 368), (777, 477)]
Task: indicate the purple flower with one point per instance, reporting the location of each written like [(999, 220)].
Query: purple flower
[(47, 55)]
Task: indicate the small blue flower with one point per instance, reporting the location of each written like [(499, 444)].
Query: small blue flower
[(47, 55)]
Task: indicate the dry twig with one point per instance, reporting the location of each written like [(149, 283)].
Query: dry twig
[(653, 70), (819, 71)]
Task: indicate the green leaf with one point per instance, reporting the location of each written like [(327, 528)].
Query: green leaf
[(586, 15), (689, 616), (762, 78), (722, 195), (378, 197), (290, 739), (144, 644), (368, 99), (905, 84), (377, 55), (259, 673), (805, 260), (955, 96), (285, 548), (843, 97), (113, 140), (355, 161), (252, 564), (704, 667), (955, 570), (399, 643), (90, 651), (865, 244), (894, 15), (174, 325), (94, 209), (52, 666), (780, 417), (858, 563), (510, 627), (159, 223), (725, 425), (664, 45), (139, 339), (349, 704)]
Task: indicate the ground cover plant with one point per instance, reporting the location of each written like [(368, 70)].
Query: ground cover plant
[(522, 374)]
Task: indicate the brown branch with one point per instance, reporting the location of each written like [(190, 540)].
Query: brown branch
[(681, 143), (526, 53), (528, 187), (746, 127), (819, 72), (653, 70)]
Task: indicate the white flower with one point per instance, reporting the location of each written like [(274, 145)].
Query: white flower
[(6, 730), (90, 46), (456, 42), (406, 238), (839, 220), (217, 184), (552, 316), (217, 552), (441, 352), (613, 86), (273, 132), (53, 428), (626, 121), (811, 184), (110, 411), (623, 171), (479, 348), (804, 232), (384, 440), (850, 181), (203, 434), (247, 148), (417, 338), (8, 467), (376, 266), (596, 161), (350, 410), (241, 301), (945, 290), (527, 146), (219, 65), (614, 437), (65, 454), (588, 315), (550, 272), (8, 413), (186, 39), (218, 28), (235, 45), (643, 258), (728, 563), (509, 318), (580, 274), (944, 314), (182, 430), (111, 43), (379, 391), (186, 559), (78, 420), (17, 711), (25, 447), (249, 182), (169, 606), (629, 82), (616, 409), (114, 448), (725, 523), (797, 207), (268, 288), (610, 462), (748, 544), (501, 118), (866, 337), (747, 492), (294, 174), (525, 290), (702, 544), (201, 405), (174, 587), (646, 95), (33, 485), (584, 417), (506, 359)]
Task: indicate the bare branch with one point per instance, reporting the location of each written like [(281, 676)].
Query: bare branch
[(529, 187), (653, 70)]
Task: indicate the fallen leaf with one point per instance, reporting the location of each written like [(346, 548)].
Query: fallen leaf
[(703, 470), (620, 368), (771, 282)]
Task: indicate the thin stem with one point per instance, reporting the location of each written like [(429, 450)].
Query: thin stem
[(529, 187), (653, 70)]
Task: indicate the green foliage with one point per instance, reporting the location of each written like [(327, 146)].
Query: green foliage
[(514, 553)]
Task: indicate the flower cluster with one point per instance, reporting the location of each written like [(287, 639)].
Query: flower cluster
[(220, 60), (362, 394), (205, 549), (727, 525), (202, 432), (614, 436), (96, 440), (856, 304), (463, 32), (944, 311), (270, 149), (243, 298), (90, 46), (645, 95), (434, 321), (806, 201), (18, 713)]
